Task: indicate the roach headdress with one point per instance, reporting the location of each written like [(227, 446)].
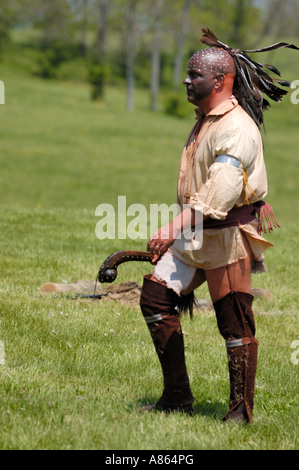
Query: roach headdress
[(252, 80)]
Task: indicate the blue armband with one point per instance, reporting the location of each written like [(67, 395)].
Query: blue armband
[(228, 160)]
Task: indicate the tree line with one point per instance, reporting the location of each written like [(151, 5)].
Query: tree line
[(139, 42)]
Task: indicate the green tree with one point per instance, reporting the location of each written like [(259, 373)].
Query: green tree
[(8, 17)]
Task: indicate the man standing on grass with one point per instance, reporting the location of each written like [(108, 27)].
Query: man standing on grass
[(222, 175)]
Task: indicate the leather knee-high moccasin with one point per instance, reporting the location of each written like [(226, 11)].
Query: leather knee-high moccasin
[(235, 321), (158, 304)]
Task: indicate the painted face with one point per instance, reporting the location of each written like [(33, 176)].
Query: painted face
[(198, 86), (203, 69)]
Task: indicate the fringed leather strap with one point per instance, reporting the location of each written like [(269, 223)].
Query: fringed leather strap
[(266, 217), (108, 270)]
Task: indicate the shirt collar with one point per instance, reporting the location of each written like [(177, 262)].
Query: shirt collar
[(219, 110)]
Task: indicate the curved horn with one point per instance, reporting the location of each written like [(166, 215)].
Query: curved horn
[(108, 270)]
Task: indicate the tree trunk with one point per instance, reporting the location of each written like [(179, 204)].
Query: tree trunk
[(98, 69), (181, 41), (84, 26), (103, 6), (131, 51), (240, 12), (156, 65)]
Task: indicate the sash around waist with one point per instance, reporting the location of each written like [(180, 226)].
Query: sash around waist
[(235, 217)]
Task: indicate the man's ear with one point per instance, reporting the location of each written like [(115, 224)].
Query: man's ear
[(219, 81)]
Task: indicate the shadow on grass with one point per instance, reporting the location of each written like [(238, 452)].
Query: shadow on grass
[(214, 410)]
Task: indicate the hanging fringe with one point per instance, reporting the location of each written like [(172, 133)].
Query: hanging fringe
[(266, 217), (246, 184), (187, 303)]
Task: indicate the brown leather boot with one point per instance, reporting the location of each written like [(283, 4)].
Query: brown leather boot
[(236, 324), (242, 363), (158, 304)]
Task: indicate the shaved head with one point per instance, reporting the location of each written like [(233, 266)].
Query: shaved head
[(213, 59), (210, 78)]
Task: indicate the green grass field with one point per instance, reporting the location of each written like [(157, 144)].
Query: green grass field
[(75, 372)]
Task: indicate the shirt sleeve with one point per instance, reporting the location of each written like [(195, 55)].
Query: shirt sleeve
[(220, 192), (225, 182), (237, 142)]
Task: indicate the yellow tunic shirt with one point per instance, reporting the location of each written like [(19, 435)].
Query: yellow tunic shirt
[(214, 188)]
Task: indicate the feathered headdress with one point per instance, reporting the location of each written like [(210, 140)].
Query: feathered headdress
[(252, 81)]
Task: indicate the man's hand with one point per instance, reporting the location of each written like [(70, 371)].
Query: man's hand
[(160, 241), (163, 238)]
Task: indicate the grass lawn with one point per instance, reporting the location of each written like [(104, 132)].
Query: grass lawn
[(76, 371)]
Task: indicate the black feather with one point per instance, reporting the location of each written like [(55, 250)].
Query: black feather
[(277, 45), (273, 69), (252, 81)]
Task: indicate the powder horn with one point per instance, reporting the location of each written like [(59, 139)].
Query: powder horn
[(108, 270)]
